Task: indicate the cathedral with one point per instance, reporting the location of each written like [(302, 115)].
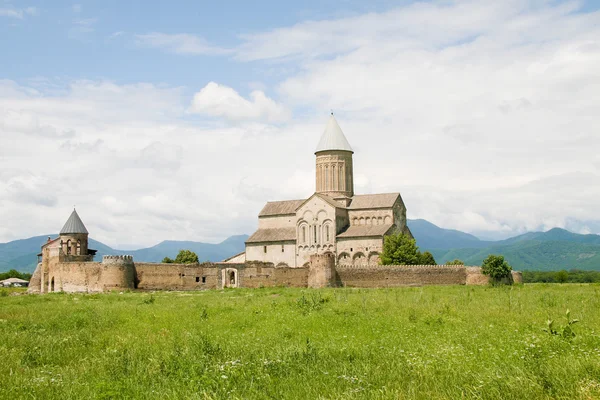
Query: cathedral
[(334, 220)]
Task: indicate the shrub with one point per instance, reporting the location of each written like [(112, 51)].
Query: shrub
[(495, 267)]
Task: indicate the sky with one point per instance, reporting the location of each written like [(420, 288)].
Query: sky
[(178, 120)]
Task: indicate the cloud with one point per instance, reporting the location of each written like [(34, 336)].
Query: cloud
[(18, 13), (181, 43), (222, 101)]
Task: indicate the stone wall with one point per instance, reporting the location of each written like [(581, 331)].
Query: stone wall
[(400, 275), (159, 276), (256, 274)]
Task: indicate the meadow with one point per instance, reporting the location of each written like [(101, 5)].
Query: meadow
[(450, 342)]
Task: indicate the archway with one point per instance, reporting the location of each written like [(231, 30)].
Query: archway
[(52, 285)]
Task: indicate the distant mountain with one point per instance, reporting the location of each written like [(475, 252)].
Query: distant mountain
[(430, 236), (552, 250), (21, 254)]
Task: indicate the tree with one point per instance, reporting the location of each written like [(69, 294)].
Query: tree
[(400, 249), (427, 259), (561, 276), (496, 267), (455, 262), (183, 257)]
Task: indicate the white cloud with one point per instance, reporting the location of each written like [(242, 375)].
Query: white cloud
[(181, 43), (18, 13), (482, 114), (222, 101)]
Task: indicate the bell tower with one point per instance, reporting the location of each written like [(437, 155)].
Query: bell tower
[(74, 236), (334, 169)]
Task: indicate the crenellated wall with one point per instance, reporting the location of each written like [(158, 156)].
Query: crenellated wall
[(55, 274), (401, 275), (159, 276)]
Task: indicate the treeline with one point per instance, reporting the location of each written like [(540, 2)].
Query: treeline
[(563, 276), (13, 273)]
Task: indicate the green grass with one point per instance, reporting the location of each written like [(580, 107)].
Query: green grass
[(423, 343)]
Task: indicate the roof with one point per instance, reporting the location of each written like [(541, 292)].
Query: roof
[(382, 200), (333, 138), (238, 258), (14, 280), (73, 225), (273, 235), (280, 207), (365, 230)]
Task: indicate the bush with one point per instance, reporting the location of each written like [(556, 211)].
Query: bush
[(183, 257), (455, 262), (495, 267)]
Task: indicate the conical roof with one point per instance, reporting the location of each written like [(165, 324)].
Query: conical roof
[(333, 138), (73, 225)]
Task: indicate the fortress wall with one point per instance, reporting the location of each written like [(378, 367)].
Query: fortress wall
[(159, 276), (76, 277), (255, 275), (401, 275)]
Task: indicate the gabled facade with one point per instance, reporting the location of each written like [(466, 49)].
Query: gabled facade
[(333, 220)]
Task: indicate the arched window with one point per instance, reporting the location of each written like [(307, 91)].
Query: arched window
[(315, 233), (303, 234), (327, 231), (78, 248), (326, 178), (69, 246)]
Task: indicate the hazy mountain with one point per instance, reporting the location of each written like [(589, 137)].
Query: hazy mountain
[(21, 254), (552, 250)]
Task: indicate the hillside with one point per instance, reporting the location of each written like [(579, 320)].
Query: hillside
[(553, 250)]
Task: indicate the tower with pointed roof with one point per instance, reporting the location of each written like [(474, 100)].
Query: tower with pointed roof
[(334, 169), (74, 236)]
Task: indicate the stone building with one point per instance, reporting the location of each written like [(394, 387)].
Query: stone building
[(334, 220)]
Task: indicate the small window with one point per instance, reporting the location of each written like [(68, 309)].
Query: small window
[(265, 249), (203, 279), (327, 231), (303, 234), (351, 249), (197, 279), (315, 229), (282, 249)]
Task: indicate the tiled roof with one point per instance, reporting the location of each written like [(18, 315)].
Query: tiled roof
[(272, 235), (333, 138), (73, 225), (280, 207), (382, 200), (365, 230)]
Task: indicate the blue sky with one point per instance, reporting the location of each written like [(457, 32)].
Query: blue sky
[(179, 120)]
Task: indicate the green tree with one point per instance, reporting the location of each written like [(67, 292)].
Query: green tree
[(455, 262), (562, 276), (427, 259), (183, 257), (400, 249), (496, 267)]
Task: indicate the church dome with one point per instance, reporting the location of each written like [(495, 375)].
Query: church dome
[(333, 138)]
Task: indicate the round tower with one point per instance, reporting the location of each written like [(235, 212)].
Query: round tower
[(334, 172), (74, 236), (118, 272)]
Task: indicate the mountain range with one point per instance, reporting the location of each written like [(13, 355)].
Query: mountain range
[(553, 250)]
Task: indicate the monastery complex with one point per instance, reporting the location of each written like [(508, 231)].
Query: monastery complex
[(332, 238)]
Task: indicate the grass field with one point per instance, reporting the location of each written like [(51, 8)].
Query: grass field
[(423, 343)]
